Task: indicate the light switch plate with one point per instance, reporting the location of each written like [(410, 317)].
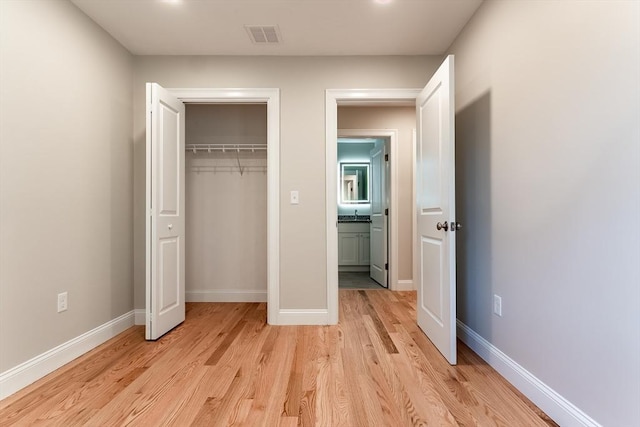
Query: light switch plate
[(295, 197)]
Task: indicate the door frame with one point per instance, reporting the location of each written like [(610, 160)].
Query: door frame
[(392, 245), (356, 97), (270, 97)]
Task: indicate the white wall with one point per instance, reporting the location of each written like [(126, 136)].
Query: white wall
[(226, 212), (548, 150), (302, 81), (65, 177), (404, 120)]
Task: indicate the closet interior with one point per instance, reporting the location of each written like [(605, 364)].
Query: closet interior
[(226, 202)]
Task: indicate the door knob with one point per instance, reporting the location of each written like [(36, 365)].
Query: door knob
[(170, 226), (455, 226), (444, 226)]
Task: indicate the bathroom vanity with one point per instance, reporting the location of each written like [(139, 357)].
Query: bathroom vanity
[(353, 245)]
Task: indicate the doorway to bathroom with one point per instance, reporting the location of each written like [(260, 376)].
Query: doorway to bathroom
[(433, 199), (363, 208), (380, 136)]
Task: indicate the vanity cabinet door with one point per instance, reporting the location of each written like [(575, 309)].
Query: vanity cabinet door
[(364, 249), (348, 248)]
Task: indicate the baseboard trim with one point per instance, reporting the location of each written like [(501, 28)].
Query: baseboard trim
[(32, 370), (353, 269), (404, 285), (303, 317), (226, 295), (553, 404), (140, 316)]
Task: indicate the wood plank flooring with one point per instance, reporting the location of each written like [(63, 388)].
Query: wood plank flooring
[(225, 366)]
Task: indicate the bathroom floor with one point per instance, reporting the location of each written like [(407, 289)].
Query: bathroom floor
[(357, 280)]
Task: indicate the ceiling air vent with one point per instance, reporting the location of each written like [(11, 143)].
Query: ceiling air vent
[(263, 34)]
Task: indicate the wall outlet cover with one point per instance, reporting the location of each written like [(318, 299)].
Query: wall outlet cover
[(497, 305), (63, 302)]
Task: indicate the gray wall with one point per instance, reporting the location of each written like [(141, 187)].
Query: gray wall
[(65, 177), (548, 173), (226, 212), (302, 82)]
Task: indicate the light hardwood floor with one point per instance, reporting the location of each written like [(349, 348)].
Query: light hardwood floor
[(225, 366)]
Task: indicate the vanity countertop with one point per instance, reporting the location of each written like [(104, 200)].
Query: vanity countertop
[(354, 218)]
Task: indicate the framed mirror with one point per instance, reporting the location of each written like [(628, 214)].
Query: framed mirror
[(354, 182)]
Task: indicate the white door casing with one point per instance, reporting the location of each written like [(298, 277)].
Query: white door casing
[(165, 225), (271, 97), (378, 228), (435, 251)]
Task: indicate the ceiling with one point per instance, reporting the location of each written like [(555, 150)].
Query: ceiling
[(307, 27)]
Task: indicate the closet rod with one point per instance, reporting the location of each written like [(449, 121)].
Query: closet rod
[(225, 147)]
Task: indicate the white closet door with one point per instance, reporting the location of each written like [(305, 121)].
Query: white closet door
[(165, 273)]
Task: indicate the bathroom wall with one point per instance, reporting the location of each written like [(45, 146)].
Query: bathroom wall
[(226, 210), (403, 119)]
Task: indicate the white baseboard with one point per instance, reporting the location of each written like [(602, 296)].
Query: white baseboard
[(226, 295), (404, 285), (553, 404), (140, 316), (32, 370), (303, 317), (353, 269)]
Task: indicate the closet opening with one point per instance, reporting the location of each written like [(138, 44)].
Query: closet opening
[(226, 221), (231, 132)]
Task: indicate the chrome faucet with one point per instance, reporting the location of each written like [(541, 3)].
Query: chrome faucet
[(356, 213)]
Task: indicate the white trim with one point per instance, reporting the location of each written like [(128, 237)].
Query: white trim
[(551, 402), (272, 98), (226, 95), (303, 317), (20, 376), (140, 316), (147, 213), (392, 134), (414, 213), (332, 98), (404, 285), (226, 295)]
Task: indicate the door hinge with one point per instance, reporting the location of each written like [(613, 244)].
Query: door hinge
[(386, 266), (386, 211), (386, 157)]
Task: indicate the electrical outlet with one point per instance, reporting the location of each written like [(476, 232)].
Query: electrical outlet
[(62, 302), (497, 305)]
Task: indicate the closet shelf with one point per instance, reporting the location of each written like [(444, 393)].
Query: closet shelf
[(230, 148), (228, 168)]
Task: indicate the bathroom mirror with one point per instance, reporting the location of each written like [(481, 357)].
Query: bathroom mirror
[(354, 181)]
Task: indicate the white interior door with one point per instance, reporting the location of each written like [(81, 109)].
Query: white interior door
[(165, 275), (378, 227), (435, 252)]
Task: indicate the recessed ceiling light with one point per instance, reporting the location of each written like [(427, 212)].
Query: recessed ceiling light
[(383, 1), (172, 1)]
